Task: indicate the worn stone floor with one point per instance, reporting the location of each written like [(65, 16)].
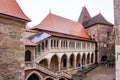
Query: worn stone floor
[(102, 72)]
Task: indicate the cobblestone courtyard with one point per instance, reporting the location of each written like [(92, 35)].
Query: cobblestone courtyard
[(101, 73)]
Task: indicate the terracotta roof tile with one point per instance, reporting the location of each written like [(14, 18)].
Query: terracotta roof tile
[(28, 42), (11, 8), (98, 19), (62, 25), (67, 36), (30, 30)]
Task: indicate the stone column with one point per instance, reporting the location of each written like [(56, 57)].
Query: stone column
[(59, 66), (59, 44), (49, 44), (68, 63)]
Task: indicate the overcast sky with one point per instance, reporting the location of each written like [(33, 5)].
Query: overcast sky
[(37, 10)]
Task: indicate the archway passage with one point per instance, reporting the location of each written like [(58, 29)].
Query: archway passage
[(61, 79), (78, 61), (44, 62), (71, 61), (33, 77), (54, 63), (104, 58), (88, 58), (64, 62), (83, 59), (49, 79), (92, 58)]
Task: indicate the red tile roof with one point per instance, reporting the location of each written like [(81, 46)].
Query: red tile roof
[(62, 25), (67, 36), (28, 42), (30, 30), (11, 8)]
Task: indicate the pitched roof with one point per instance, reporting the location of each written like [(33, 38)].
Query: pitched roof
[(28, 42), (84, 16), (62, 25), (11, 8), (98, 19), (30, 30)]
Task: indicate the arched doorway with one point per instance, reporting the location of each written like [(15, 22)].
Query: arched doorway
[(54, 63), (64, 62), (78, 61), (88, 58), (61, 79), (104, 58), (33, 77), (28, 55), (44, 62), (49, 79), (92, 58), (83, 59), (71, 61)]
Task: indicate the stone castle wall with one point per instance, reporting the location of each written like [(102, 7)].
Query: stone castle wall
[(11, 49), (117, 36), (104, 35)]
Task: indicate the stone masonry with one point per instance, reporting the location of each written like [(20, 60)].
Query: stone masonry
[(117, 35), (11, 48)]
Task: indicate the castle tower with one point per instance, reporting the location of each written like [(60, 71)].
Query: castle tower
[(84, 16), (12, 27), (117, 39)]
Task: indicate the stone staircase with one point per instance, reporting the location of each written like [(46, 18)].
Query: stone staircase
[(49, 71)]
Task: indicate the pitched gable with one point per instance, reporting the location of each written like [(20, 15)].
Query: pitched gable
[(62, 25), (84, 16), (98, 19), (11, 8)]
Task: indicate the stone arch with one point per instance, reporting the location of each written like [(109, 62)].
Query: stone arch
[(48, 78), (44, 62), (54, 63), (83, 59), (64, 62), (71, 59), (34, 74), (78, 60), (88, 58), (27, 55)]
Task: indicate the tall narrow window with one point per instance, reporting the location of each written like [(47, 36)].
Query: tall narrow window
[(27, 55), (43, 45), (46, 43), (38, 47)]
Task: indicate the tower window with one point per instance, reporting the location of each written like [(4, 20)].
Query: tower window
[(27, 55)]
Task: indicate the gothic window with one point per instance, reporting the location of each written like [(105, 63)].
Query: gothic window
[(46, 43), (38, 47), (43, 45), (27, 55)]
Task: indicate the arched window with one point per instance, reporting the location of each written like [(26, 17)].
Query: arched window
[(33, 77), (27, 55)]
